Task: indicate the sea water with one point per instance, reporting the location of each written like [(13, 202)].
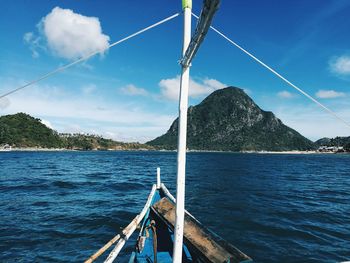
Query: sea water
[(63, 206)]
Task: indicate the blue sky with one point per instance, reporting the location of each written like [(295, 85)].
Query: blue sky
[(129, 93)]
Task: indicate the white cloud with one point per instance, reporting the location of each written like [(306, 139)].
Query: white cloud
[(329, 94), (285, 94), (88, 89), (68, 35), (34, 43), (4, 103), (213, 83), (247, 91), (28, 37), (71, 128), (47, 123), (133, 90), (83, 113), (313, 122), (340, 65), (170, 87)]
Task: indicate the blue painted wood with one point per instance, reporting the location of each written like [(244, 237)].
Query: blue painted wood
[(132, 257), (165, 238)]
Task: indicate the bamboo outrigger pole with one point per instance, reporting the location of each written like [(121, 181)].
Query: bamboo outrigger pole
[(182, 131)]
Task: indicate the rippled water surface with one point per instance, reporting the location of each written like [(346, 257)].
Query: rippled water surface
[(62, 206)]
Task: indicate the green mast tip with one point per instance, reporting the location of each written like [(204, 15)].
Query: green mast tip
[(186, 4)]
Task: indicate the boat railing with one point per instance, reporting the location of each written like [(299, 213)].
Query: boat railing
[(125, 234)]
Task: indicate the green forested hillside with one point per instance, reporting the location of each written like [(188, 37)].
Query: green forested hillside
[(337, 141), (23, 130), (94, 142)]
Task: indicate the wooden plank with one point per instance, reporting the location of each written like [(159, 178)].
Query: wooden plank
[(197, 236)]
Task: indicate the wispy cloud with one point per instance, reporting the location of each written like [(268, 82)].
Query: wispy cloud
[(132, 90), (312, 122), (340, 65), (68, 34), (169, 88), (307, 35), (248, 91), (329, 94), (88, 89), (213, 84), (34, 43), (47, 123), (285, 94), (4, 103), (67, 112)]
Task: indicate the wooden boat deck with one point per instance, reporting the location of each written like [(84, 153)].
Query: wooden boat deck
[(207, 246)]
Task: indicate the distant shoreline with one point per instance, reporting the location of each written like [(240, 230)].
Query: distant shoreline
[(294, 152), (35, 149), (265, 152)]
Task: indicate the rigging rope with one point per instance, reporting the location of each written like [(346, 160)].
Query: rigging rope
[(152, 225), (279, 75), (89, 55)]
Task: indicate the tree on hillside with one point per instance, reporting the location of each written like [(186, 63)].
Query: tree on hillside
[(347, 147)]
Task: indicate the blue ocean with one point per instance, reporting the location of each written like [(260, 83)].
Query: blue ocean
[(63, 206)]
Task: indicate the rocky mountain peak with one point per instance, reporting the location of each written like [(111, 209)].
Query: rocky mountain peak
[(228, 119)]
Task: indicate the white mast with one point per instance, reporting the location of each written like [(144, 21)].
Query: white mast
[(182, 132)]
